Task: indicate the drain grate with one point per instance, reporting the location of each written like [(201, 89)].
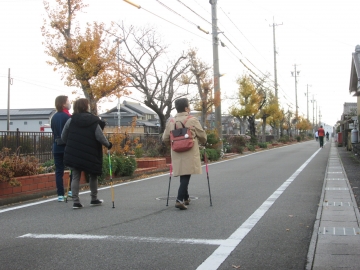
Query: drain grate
[(338, 231), (173, 198)]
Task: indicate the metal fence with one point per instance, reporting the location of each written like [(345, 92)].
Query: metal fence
[(37, 144)]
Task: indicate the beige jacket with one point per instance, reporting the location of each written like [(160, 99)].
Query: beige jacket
[(186, 162)]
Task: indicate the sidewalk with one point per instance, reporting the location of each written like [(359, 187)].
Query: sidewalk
[(335, 242)]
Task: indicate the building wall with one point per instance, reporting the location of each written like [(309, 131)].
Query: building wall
[(32, 125)]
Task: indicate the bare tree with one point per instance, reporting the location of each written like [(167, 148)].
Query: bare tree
[(199, 75), (152, 73)]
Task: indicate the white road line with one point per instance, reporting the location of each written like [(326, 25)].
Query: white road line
[(159, 240), (221, 253), (84, 192), (121, 184)]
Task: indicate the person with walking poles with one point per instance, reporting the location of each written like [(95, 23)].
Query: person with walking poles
[(188, 162), (83, 151), (321, 134), (57, 124)]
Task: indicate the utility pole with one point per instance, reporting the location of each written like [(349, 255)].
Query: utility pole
[(8, 102), (320, 115), (307, 100), (118, 60), (313, 101), (316, 115), (275, 52), (216, 68), (275, 70), (295, 74)]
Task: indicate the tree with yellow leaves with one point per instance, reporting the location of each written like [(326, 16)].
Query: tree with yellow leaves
[(270, 109), (85, 59), (303, 124), (252, 98)]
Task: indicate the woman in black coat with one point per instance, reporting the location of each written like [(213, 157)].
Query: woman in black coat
[(83, 152)]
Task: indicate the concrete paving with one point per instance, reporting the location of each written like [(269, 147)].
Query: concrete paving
[(335, 242)]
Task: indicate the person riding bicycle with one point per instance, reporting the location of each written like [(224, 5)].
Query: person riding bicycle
[(327, 135)]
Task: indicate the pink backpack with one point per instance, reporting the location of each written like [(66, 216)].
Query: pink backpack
[(181, 139)]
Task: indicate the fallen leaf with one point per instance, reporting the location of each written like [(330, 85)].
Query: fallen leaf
[(290, 215), (287, 229), (236, 266)]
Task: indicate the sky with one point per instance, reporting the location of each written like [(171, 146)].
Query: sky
[(318, 37)]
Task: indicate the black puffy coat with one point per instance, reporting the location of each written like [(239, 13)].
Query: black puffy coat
[(82, 150)]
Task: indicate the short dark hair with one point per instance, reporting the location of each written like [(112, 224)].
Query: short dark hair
[(81, 105), (181, 104), (60, 102)]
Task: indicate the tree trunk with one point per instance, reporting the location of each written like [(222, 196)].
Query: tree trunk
[(263, 129), (251, 120)]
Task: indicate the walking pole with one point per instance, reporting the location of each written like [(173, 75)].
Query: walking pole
[(167, 201), (68, 187), (111, 182), (207, 173)]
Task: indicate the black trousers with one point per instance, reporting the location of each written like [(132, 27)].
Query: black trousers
[(183, 193), (321, 138)]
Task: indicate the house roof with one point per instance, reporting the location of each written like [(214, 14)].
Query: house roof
[(36, 111), (137, 107), (355, 72)]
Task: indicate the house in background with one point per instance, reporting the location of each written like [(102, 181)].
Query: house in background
[(146, 119), (354, 86), (26, 119)]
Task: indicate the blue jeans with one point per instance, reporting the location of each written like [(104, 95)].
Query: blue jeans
[(59, 172)]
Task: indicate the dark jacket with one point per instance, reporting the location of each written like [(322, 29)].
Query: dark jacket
[(57, 125), (84, 140)]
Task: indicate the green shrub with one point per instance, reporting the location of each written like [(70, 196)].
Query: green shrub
[(263, 145), (129, 166), (298, 138), (48, 166), (211, 154), (139, 152), (284, 139), (251, 147), (253, 140)]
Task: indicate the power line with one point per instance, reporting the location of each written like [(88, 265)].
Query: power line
[(195, 12), (174, 24), (170, 9), (243, 35)]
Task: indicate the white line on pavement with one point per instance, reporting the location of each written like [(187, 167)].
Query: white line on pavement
[(84, 192), (121, 184), (125, 238), (222, 252)]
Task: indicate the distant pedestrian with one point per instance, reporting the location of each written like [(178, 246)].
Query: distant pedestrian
[(327, 136), (185, 163), (58, 121), (321, 134), (316, 135), (83, 152)]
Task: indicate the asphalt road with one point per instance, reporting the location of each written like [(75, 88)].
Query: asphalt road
[(264, 208)]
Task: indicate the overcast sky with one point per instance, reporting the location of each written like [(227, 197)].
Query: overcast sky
[(318, 36)]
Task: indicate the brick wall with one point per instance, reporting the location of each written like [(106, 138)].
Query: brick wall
[(34, 184)]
